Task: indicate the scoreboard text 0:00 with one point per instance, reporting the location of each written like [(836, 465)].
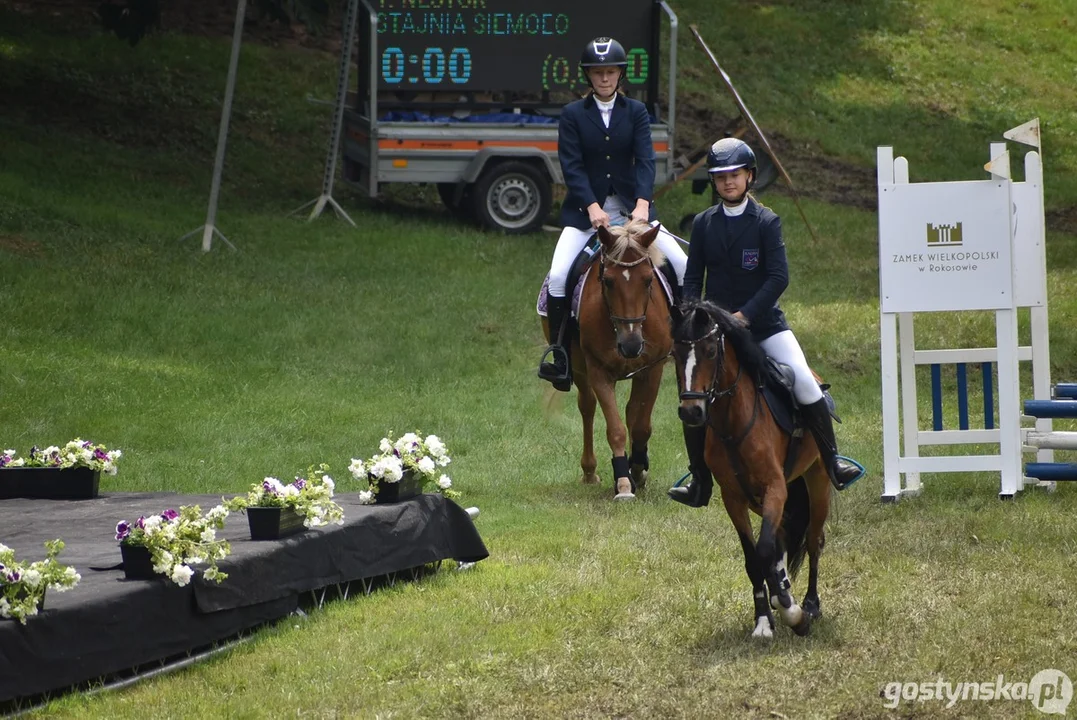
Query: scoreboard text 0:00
[(503, 45)]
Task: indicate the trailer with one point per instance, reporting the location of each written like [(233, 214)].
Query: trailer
[(466, 95)]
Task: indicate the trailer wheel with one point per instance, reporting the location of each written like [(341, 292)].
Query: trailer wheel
[(463, 210), (512, 197)]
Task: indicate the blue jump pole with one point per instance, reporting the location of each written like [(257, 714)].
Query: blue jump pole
[(1052, 471), (1051, 408), (1065, 390)]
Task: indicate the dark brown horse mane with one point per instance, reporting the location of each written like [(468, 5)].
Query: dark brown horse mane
[(749, 354)]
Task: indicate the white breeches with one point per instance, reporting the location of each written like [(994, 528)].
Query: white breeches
[(572, 241), (784, 348)]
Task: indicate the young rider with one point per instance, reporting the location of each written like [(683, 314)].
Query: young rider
[(738, 245)]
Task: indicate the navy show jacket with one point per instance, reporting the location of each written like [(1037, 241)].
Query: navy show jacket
[(597, 161), (745, 264)]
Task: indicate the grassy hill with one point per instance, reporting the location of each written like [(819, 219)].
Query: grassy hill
[(313, 340)]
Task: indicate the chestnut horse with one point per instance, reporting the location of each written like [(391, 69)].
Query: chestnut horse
[(720, 374), (624, 332)]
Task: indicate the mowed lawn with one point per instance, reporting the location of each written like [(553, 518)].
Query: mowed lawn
[(312, 341)]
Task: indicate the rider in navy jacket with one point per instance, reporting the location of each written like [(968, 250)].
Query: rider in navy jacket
[(607, 159), (738, 245), (744, 259), (600, 161)]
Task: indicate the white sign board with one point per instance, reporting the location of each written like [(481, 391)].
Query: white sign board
[(945, 246)]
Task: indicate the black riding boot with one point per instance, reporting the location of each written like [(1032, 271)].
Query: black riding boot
[(817, 417), (697, 493), (556, 365)]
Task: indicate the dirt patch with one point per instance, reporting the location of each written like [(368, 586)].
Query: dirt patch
[(18, 245), (1063, 220)]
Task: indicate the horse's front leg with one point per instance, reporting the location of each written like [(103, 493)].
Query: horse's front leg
[(638, 413), (585, 401), (737, 509), (772, 554), (605, 392)]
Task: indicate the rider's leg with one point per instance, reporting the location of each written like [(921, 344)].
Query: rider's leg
[(556, 365), (697, 493), (673, 252), (784, 348)]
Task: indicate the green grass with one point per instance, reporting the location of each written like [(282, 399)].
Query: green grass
[(310, 343)]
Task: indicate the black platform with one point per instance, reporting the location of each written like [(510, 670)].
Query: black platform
[(108, 624)]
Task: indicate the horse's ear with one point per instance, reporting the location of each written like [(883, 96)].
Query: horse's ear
[(701, 322), (604, 236), (675, 315), (648, 237)]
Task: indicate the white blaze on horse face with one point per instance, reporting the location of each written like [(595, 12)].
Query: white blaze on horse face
[(690, 368), (626, 275)]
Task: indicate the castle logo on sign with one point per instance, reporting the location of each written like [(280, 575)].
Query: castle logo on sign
[(943, 234)]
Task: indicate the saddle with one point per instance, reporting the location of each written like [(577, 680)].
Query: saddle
[(778, 392), (578, 273)]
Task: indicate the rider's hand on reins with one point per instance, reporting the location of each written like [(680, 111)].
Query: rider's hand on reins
[(642, 211), (739, 317), (598, 216)]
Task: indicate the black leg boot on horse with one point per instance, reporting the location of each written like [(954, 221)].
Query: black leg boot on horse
[(842, 472), (697, 493), (556, 363)]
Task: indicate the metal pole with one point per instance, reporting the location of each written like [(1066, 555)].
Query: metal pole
[(758, 131), (326, 198), (210, 228)]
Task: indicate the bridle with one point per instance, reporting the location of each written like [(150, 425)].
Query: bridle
[(615, 319), (713, 392), (711, 396)]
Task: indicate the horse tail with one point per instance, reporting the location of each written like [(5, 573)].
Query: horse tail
[(795, 518)]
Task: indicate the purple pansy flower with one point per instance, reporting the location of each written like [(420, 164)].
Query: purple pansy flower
[(300, 483), (141, 523), (13, 576), (170, 514), (122, 529)]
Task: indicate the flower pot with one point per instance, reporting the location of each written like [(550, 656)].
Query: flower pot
[(137, 562), (49, 483), (409, 486), (273, 523)]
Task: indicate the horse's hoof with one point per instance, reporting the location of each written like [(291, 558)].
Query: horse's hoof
[(812, 609), (590, 479), (621, 497), (803, 628), (764, 630), (639, 476)]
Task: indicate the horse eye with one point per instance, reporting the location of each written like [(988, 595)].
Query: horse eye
[(608, 282), (712, 352)]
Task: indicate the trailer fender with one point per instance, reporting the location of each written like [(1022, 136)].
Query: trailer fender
[(483, 157)]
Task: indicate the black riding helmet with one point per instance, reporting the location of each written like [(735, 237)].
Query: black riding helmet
[(604, 52)]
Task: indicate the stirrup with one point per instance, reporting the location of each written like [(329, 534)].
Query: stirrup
[(549, 370), (852, 462)]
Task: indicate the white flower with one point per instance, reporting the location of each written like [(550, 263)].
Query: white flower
[(426, 465), (388, 468), (290, 491), (181, 575), (4, 548), (31, 577), (366, 497), (165, 564), (357, 469), (274, 483), (109, 469), (444, 482), (150, 524), (115, 455), (208, 535), (51, 449), (217, 514), (408, 442), (87, 455), (385, 446), (9, 453), (329, 484), (434, 445)]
